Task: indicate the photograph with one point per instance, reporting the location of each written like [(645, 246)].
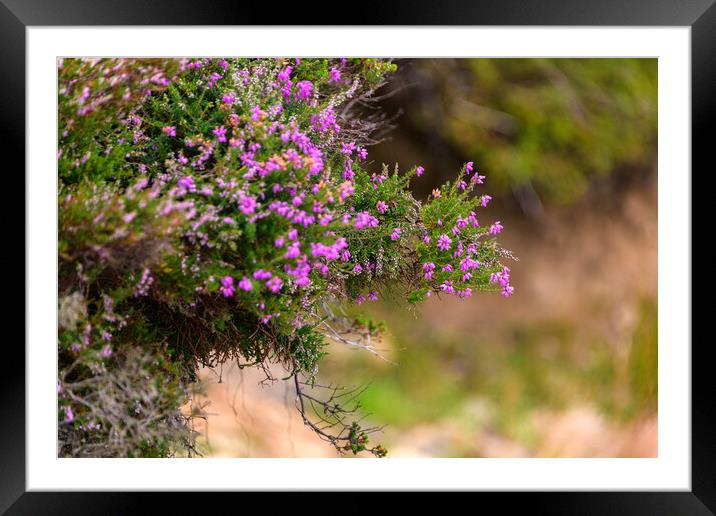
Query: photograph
[(357, 257)]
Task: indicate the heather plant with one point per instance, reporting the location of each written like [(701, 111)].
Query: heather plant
[(215, 210)]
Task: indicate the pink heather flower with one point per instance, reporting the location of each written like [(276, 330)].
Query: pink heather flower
[(357, 269), (302, 281), (468, 167), (294, 251), (365, 219), (381, 207), (261, 274), (169, 130), (106, 351), (477, 179), (213, 78), (279, 242), (447, 268), (220, 133), (292, 234), (247, 205), (395, 235), (69, 415), (426, 239), (346, 190), (227, 286), (325, 120), (501, 277), (485, 200), (285, 74), (229, 98), (508, 291), (496, 228), (378, 179), (257, 114), (444, 242), (462, 185), (428, 267), (274, 284), (304, 90), (141, 184), (419, 171), (373, 296), (446, 286), (335, 75), (468, 263), (187, 182), (360, 299), (245, 284), (142, 288), (348, 148)]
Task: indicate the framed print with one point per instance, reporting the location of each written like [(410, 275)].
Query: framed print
[(449, 252)]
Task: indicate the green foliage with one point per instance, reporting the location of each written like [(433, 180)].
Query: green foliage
[(549, 124), (644, 356)]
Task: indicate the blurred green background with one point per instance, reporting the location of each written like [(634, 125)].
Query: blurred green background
[(568, 365)]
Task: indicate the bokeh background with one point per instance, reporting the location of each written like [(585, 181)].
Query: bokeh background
[(567, 367)]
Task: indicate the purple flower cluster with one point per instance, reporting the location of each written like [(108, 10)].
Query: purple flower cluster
[(502, 278), (227, 286), (145, 282), (281, 184), (444, 242), (304, 90)]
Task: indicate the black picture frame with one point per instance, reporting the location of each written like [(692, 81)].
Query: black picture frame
[(700, 15)]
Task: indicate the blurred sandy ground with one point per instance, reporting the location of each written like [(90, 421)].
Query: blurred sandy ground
[(588, 266), (247, 420), (250, 418)]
